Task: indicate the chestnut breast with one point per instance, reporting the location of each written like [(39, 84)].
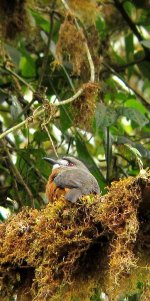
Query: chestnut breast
[(53, 192)]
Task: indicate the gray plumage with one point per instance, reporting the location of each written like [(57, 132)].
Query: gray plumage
[(75, 176), (78, 178)]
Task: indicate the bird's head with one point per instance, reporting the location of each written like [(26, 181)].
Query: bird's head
[(66, 162)]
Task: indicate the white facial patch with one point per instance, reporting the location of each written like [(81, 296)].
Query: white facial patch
[(55, 166), (60, 163), (63, 162)]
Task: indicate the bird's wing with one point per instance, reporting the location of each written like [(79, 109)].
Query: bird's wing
[(71, 178), (73, 195)]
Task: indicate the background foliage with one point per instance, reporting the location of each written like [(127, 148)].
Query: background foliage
[(43, 60)]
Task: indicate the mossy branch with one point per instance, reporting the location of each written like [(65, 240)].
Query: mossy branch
[(100, 241), (91, 64), (40, 112), (21, 124)]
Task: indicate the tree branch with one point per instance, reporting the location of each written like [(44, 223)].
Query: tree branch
[(121, 68), (71, 99), (131, 24), (50, 138), (40, 112), (49, 10), (21, 124), (126, 17), (46, 50), (143, 100), (17, 174), (4, 67)]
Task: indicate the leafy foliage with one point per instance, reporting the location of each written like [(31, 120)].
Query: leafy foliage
[(48, 52)]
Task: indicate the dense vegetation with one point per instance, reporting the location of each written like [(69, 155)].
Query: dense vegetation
[(74, 79)]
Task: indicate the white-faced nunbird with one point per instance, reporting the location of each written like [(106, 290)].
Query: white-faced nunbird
[(71, 179)]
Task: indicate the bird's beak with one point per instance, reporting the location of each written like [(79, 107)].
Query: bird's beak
[(51, 161)]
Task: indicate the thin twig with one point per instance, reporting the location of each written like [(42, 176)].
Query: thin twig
[(126, 17), (20, 125), (120, 68), (69, 78), (92, 68), (108, 155), (20, 178), (18, 77), (49, 10), (18, 197), (30, 162), (131, 24), (50, 138), (46, 51), (71, 99), (24, 104), (25, 109), (18, 175), (4, 110)]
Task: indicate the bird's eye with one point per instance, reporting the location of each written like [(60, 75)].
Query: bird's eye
[(70, 164)]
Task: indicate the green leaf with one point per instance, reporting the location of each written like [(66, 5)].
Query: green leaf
[(4, 213), (27, 67), (101, 27), (135, 103), (84, 155), (140, 285), (145, 153), (146, 43), (129, 7), (134, 150), (134, 115), (42, 22), (131, 153), (14, 54), (129, 46), (97, 296), (134, 297), (143, 66), (145, 69), (39, 163), (120, 97), (65, 119), (40, 136), (105, 116)]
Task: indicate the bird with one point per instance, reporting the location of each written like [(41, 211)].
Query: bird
[(71, 179)]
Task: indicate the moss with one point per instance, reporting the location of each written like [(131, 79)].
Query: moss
[(86, 10), (83, 109), (70, 45), (13, 18), (67, 250)]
